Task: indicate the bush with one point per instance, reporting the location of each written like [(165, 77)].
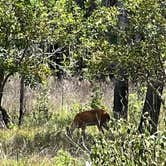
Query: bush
[(63, 158), (97, 98), (126, 147)]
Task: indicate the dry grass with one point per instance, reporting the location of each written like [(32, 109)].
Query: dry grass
[(66, 95), (62, 95)]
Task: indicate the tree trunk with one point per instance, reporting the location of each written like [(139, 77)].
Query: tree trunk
[(151, 109), (121, 84), (1, 86), (5, 117), (2, 124), (120, 109), (22, 92), (3, 113)]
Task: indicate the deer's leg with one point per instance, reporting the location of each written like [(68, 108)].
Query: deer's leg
[(67, 130), (83, 132), (100, 128), (105, 125), (70, 130)]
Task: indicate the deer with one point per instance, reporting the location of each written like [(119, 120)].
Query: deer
[(97, 117)]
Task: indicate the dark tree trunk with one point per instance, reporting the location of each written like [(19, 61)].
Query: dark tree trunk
[(22, 92), (120, 109), (3, 112), (1, 86), (5, 117), (2, 124), (151, 109)]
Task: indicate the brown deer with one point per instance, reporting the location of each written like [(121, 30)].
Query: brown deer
[(97, 117)]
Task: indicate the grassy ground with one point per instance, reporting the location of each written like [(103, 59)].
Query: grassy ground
[(42, 139)]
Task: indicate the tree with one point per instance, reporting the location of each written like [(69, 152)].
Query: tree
[(151, 109), (104, 36), (22, 98), (29, 28), (134, 52), (139, 50), (23, 26), (121, 89), (149, 53), (120, 107)]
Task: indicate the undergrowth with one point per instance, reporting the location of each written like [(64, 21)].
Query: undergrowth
[(42, 139)]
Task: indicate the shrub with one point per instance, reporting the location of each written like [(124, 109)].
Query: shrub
[(63, 158), (126, 147), (97, 98)]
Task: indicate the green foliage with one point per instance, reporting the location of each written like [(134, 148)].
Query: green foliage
[(23, 26), (100, 40), (135, 106), (145, 34), (97, 99), (65, 22), (63, 158), (131, 36), (41, 114), (126, 147)]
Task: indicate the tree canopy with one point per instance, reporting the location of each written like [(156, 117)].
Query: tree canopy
[(137, 42), (23, 26), (131, 35)]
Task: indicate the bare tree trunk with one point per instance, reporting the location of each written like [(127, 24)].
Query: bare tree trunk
[(5, 117), (22, 92), (121, 84), (2, 124), (1, 86), (120, 109), (151, 109), (3, 113)]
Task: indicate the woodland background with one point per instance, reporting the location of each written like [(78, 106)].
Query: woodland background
[(60, 57)]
